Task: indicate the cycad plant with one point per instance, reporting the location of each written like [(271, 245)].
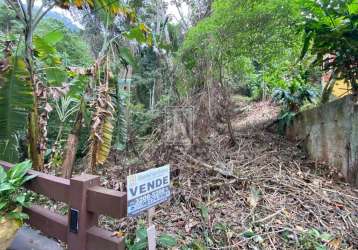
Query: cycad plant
[(294, 96), (65, 107), (292, 99)]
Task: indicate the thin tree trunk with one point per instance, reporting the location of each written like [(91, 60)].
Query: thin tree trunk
[(35, 153), (327, 90), (34, 132), (227, 105), (152, 101), (71, 145)]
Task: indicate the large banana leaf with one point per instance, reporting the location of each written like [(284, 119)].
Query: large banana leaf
[(100, 145), (105, 145), (15, 102)]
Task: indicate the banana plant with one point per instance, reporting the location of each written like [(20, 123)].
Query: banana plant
[(101, 87), (30, 16), (15, 103)]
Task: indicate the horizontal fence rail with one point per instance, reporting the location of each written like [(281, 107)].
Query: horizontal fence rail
[(87, 200)]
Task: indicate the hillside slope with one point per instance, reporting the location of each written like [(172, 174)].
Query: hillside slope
[(263, 193)]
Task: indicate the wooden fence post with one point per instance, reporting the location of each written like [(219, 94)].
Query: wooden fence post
[(77, 239)]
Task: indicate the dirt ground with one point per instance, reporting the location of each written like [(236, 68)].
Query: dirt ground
[(262, 193)]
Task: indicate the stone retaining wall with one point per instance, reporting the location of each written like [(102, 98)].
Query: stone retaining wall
[(330, 134)]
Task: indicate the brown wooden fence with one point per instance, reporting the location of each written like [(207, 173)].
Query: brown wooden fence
[(86, 200)]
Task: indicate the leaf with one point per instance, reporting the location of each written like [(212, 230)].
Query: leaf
[(248, 234), (144, 28), (314, 232), (3, 174), (56, 76), (127, 55), (18, 215), (141, 233), (105, 146), (141, 34), (136, 34), (198, 245), (335, 244), (28, 178), (21, 199), (166, 240), (353, 7), (3, 204), (15, 102), (19, 170), (326, 237), (43, 49), (204, 212), (140, 245), (5, 187), (53, 37), (306, 43)]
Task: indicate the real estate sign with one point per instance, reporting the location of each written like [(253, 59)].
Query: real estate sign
[(147, 189)]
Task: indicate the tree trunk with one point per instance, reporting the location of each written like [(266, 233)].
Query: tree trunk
[(327, 90), (227, 105), (36, 151), (36, 155), (71, 146)]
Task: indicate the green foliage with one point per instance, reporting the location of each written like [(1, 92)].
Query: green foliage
[(285, 119), (49, 59), (121, 120), (313, 239), (140, 34), (254, 41), (72, 48), (166, 241), (65, 107), (65, 110), (15, 101), (142, 119), (204, 212), (140, 241), (294, 96), (12, 197), (331, 34), (8, 20), (146, 75)]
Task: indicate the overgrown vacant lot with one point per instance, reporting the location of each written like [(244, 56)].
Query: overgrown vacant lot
[(272, 196), (214, 88)]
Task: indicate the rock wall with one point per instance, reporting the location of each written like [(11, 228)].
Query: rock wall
[(330, 134)]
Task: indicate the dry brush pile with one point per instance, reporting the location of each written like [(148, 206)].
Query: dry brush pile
[(262, 193)]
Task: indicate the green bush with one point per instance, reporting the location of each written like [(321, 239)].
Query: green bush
[(12, 197)]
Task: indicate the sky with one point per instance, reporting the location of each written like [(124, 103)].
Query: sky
[(173, 10)]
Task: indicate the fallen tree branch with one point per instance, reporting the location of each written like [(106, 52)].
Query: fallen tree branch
[(270, 216), (210, 167)]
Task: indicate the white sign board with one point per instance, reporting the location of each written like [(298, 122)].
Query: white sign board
[(147, 189)]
